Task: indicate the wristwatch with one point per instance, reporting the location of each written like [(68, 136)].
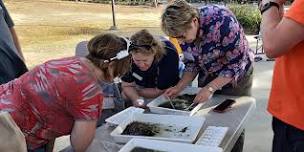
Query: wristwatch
[(268, 5)]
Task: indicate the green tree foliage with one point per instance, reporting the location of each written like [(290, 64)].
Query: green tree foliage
[(120, 2)]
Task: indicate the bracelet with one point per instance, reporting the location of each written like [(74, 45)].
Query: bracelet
[(140, 101), (210, 88)]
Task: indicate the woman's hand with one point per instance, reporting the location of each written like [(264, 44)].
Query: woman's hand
[(203, 95), (187, 78), (172, 92)]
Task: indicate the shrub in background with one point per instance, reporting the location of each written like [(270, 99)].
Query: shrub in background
[(248, 15)]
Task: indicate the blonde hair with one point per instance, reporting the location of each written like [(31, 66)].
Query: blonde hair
[(105, 46), (177, 18), (144, 38)]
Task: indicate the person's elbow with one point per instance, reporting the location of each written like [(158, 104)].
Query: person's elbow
[(271, 50), (269, 53), (79, 148), (82, 135), (275, 47)]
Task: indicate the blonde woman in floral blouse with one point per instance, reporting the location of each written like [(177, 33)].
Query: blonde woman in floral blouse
[(214, 47)]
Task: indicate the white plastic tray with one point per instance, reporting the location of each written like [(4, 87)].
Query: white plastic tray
[(171, 122), (167, 146), (123, 115), (154, 104)]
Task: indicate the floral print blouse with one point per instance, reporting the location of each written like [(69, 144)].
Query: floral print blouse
[(221, 48)]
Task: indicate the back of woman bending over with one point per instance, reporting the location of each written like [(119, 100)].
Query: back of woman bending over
[(64, 96)]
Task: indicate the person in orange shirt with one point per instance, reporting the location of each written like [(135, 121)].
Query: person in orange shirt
[(283, 39)]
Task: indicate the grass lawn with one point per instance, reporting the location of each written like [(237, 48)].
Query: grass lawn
[(50, 29)]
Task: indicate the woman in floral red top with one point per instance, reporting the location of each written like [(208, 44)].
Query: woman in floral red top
[(214, 47), (64, 96)]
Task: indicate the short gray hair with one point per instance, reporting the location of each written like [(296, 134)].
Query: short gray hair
[(177, 18)]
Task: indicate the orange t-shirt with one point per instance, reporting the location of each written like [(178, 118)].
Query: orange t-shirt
[(287, 94)]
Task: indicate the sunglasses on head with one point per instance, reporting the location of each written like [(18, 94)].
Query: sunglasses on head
[(122, 53), (135, 46)]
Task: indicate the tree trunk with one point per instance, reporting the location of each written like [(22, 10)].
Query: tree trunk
[(155, 3)]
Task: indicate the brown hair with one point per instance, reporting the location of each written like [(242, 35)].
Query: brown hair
[(144, 38), (105, 46), (177, 18)]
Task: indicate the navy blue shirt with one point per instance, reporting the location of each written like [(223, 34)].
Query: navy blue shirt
[(161, 75)]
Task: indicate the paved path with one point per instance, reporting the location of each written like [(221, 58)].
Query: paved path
[(258, 129)]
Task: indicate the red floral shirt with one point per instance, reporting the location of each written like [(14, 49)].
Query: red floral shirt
[(46, 101)]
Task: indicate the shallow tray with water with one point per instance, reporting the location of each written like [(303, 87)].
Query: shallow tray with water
[(181, 102)]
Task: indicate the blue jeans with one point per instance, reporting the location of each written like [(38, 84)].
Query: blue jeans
[(286, 137)]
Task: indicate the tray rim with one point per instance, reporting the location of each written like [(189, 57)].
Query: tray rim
[(145, 143), (109, 120), (199, 120)]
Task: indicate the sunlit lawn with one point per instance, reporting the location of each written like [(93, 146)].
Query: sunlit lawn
[(51, 29)]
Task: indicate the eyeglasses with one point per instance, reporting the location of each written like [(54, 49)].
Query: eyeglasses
[(121, 54), (135, 46), (180, 36)]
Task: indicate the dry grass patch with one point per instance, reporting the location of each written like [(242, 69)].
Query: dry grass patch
[(51, 29)]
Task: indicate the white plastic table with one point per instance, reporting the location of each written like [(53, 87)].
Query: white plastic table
[(234, 118)]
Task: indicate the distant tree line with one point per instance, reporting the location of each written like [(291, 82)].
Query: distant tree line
[(153, 2), (231, 1), (122, 2)]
